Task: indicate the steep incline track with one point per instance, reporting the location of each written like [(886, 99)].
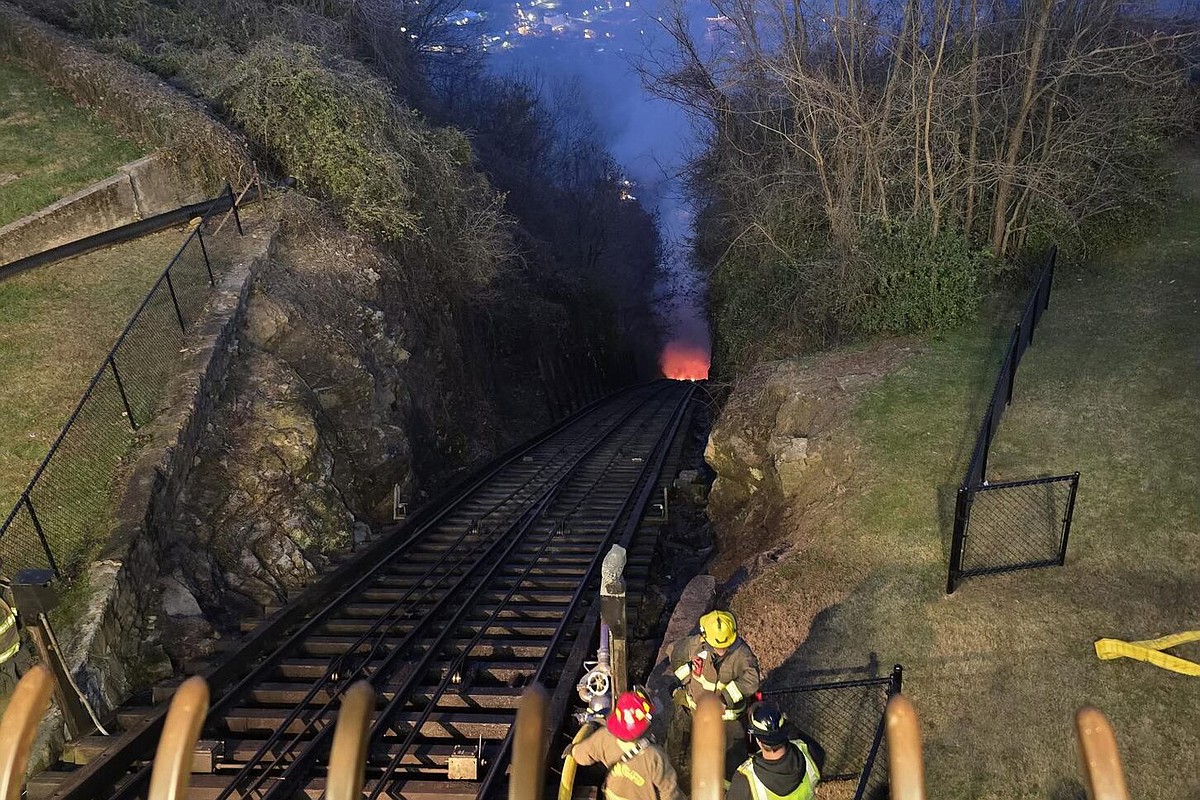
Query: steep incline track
[(448, 618)]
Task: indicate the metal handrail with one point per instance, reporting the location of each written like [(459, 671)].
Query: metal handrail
[(708, 749), (19, 726), (527, 775), (1099, 759), (172, 773), (348, 758), (906, 768)]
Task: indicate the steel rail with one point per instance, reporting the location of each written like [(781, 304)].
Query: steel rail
[(304, 761), (383, 723), (108, 768), (344, 679), (643, 490)]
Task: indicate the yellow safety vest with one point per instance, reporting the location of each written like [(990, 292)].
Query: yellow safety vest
[(10, 637), (805, 791)]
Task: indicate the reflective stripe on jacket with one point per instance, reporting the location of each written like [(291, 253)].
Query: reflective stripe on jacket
[(805, 791), (636, 770), (734, 676), (10, 637)]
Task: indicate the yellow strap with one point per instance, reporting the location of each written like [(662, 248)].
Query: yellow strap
[(10, 652), (1149, 651)]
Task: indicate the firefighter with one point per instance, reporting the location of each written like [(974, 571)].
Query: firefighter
[(782, 769), (10, 637), (638, 769), (716, 660)]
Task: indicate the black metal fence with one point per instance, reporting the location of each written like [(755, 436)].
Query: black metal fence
[(846, 719), (66, 507), (1000, 527)]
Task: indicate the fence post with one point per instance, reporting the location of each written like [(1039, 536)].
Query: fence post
[(1053, 262), (1014, 355), (1062, 553), (961, 513), (207, 264), (987, 442), (121, 388), (37, 526), (175, 300), (864, 777), (233, 204)]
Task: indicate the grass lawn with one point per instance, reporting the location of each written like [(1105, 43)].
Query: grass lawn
[(48, 147), (56, 324), (1111, 388)]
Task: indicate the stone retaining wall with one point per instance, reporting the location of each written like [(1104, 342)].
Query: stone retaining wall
[(107, 650)]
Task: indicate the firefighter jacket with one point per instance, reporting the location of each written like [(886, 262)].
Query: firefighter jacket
[(733, 676), (10, 637), (636, 770), (793, 777)]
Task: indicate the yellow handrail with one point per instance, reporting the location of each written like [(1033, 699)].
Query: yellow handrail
[(172, 772), (28, 703), (708, 749), (348, 758), (527, 776), (906, 768), (1098, 756)]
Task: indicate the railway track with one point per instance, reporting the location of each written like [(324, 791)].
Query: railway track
[(448, 618)]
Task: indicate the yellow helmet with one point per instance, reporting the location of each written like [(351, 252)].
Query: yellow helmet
[(718, 629)]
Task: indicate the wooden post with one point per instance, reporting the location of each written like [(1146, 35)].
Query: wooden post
[(612, 612), (79, 722)]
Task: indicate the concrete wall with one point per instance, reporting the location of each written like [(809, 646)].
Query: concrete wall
[(143, 188)]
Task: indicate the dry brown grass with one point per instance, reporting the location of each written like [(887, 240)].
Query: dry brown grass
[(56, 324), (1111, 388)]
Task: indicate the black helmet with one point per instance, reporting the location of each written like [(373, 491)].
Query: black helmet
[(768, 723)]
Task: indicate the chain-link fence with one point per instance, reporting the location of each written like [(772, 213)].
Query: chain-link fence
[(846, 719), (1000, 527), (1017, 525), (66, 508)]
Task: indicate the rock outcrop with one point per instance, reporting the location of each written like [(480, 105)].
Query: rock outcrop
[(783, 458)]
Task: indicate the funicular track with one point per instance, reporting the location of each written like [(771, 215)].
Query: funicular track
[(448, 618)]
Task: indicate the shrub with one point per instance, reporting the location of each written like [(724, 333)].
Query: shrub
[(917, 283), (337, 128)]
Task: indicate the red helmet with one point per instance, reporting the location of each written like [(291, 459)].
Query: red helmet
[(631, 718)]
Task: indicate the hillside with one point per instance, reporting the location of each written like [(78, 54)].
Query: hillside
[(838, 558)]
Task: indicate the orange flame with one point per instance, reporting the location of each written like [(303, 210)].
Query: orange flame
[(684, 362)]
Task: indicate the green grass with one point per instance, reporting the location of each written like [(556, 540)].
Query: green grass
[(48, 147), (1111, 388), (56, 324)]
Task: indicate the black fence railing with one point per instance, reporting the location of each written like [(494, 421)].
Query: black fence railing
[(66, 507), (846, 719), (1001, 527)]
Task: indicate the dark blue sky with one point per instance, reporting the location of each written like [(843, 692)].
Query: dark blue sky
[(648, 136)]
